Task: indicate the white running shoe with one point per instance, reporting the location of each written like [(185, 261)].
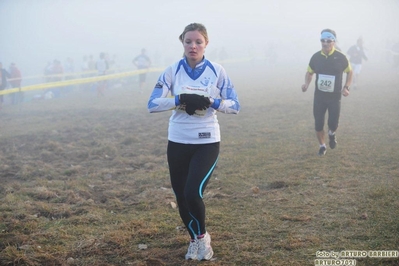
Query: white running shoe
[(205, 251), (192, 250)]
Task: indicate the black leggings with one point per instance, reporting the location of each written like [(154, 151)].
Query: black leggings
[(320, 108), (190, 168)]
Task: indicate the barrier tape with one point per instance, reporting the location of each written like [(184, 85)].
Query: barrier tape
[(70, 82), (79, 81), (67, 74)]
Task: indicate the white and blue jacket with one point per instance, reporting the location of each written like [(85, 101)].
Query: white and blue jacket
[(208, 79)]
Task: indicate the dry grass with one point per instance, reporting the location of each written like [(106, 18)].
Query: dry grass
[(84, 181)]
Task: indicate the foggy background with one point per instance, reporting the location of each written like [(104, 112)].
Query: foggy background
[(35, 32)]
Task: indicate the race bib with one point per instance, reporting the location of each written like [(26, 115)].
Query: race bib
[(205, 91), (326, 83)]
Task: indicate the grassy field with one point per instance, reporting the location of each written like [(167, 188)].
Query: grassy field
[(84, 180)]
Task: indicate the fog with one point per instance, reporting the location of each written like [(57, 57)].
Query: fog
[(35, 32)]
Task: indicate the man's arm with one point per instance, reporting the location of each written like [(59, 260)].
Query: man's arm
[(348, 82), (308, 79)]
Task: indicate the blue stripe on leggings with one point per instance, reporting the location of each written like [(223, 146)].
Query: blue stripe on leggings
[(206, 177)]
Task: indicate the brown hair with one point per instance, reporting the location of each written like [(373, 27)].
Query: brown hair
[(192, 27)]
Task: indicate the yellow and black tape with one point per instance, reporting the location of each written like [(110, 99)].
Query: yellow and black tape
[(79, 81)]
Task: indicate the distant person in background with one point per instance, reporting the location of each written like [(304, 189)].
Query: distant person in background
[(356, 56), (142, 61), (115, 68), (47, 72), (329, 65), (102, 67), (4, 75), (195, 89), (92, 65), (69, 69), (84, 68), (57, 71), (92, 72), (112, 64), (15, 82), (57, 74)]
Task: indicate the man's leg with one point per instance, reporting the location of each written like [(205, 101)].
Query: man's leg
[(334, 110), (319, 112), (320, 137)]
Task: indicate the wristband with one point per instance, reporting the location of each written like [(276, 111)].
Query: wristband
[(216, 103), (346, 87)]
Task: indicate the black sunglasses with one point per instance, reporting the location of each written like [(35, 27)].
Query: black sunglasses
[(326, 40)]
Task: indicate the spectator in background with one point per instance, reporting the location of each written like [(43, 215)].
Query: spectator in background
[(114, 68), (57, 72), (92, 65), (15, 82), (356, 55), (111, 63), (3, 82), (47, 72), (142, 61), (69, 69), (84, 68), (102, 67)]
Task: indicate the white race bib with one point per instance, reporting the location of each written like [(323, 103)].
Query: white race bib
[(326, 83), (194, 90)]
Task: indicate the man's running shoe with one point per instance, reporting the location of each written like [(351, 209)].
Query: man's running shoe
[(322, 150), (333, 141), (205, 251), (192, 250)]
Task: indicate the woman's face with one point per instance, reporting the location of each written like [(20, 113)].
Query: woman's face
[(194, 45)]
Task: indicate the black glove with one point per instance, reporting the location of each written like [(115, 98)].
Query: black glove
[(190, 109), (194, 102), (190, 99)]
